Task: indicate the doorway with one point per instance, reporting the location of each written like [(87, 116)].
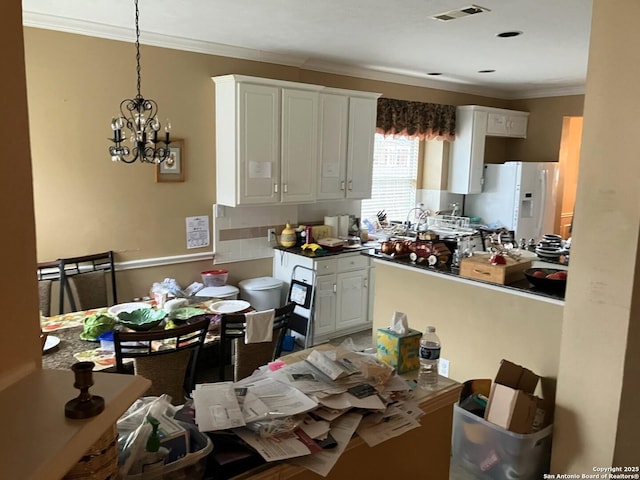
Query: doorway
[(569, 159)]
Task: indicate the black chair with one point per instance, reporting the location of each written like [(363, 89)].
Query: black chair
[(166, 357), (84, 281), (44, 295), (249, 356), (48, 272)]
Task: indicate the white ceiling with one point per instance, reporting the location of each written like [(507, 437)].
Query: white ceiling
[(380, 39)]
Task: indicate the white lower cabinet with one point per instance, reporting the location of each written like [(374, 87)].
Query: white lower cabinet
[(342, 297)]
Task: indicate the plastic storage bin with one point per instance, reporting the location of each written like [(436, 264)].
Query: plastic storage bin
[(262, 293), (214, 278), (226, 292), (491, 452), (190, 467)]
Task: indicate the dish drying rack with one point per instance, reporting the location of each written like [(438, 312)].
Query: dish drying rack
[(460, 224)]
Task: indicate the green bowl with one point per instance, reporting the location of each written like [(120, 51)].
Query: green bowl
[(141, 319)]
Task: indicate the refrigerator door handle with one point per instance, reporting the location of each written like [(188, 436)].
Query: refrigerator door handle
[(542, 200)]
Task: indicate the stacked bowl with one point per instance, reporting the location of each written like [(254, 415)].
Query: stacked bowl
[(550, 247)]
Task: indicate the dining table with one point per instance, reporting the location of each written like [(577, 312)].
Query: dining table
[(64, 347)]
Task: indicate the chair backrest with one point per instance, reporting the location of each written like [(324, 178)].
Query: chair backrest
[(250, 356), (44, 293), (83, 280), (166, 357)]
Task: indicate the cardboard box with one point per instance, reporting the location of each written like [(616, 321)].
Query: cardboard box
[(479, 267), (512, 404), (399, 351)]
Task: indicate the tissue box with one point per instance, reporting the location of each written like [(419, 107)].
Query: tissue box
[(399, 351)]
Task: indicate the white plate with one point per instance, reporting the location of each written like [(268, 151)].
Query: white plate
[(127, 307), (229, 306), (51, 342)]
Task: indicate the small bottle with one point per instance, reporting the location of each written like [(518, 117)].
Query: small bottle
[(429, 356)]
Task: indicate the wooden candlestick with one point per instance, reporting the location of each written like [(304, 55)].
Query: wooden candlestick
[(84, 405)]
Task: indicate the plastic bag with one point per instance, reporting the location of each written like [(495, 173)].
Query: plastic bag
[(133, 428)]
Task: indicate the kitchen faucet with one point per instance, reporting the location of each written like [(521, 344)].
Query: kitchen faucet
[(423, 213)]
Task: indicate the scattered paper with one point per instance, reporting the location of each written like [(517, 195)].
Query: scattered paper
[(322, 462), (216, 407), (376, 429), (333, 369), (281, 447)]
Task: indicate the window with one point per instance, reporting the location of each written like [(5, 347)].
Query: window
[(395, 168)]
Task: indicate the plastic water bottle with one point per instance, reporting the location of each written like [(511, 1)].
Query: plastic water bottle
[(429, 356)]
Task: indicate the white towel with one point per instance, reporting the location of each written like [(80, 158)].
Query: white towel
[(259, 326)]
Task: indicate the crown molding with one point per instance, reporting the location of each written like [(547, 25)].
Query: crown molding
[(94, 29)]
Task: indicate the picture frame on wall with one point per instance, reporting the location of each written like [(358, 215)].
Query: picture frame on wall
[(172, 169)]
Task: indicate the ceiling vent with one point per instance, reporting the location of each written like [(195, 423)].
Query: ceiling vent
[(462, 12)]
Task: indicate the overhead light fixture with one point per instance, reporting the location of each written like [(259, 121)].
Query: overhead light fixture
[(139, 116)]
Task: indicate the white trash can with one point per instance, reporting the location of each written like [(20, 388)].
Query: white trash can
[(225, 292), (263, 293)]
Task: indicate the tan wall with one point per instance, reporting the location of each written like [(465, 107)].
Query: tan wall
[(478, 327), (85, 203), (597, 421), (545, 127), (19, 297)]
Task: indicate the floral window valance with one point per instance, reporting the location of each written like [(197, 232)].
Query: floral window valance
[(426, 121)]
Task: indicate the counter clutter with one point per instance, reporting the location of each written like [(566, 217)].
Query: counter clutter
[(305, 408), (512, 275)]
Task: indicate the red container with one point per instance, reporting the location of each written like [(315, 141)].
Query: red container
[(214, 278)]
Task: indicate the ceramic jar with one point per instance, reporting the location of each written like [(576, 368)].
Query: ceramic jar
[(288, 236)]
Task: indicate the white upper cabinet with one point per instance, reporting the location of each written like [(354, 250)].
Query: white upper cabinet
[(266, 141), (347, 129), (299, 145), (473, 124), (507, 123)]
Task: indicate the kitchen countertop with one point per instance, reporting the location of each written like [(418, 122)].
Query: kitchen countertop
[(326, 253), (522, 286)]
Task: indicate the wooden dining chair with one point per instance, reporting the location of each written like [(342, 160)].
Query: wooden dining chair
[(44, 294), (87, 280), (249, 356), (166, 357)]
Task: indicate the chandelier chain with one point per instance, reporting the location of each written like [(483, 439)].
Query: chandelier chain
[(138, 69)]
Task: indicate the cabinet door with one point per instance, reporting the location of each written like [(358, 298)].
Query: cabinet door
[(258, 138), (299, 145), (517, 126), (497, 124), (467, 152), (332, 151), (506, 125), (362, 126), (324, 322), (352, 299)]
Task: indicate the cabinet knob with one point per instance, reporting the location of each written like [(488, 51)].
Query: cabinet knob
[(335, 288), (350, 184), (275, 188), (284, 188), (342, 185)]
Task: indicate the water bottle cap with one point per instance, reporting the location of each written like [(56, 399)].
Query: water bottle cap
[(431, 329)]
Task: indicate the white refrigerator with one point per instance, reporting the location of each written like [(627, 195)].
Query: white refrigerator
[(519, 196)]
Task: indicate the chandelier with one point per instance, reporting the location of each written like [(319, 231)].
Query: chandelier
[(138, 115)]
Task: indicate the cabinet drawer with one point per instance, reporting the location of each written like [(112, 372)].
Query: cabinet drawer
[(326, 267), (352, 262)]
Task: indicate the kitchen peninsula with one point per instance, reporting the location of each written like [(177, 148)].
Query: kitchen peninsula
[(520, 287), (479, 323)]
